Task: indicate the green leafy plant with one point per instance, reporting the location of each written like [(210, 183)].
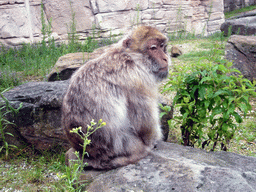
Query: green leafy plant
[(211, 101), (4, 111), (74, 171)]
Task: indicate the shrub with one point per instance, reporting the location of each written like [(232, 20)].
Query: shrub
[(211, 100)]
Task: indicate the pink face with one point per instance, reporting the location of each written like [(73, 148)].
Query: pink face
[(156, 49)]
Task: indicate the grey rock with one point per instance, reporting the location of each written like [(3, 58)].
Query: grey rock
[(67, 64), (171, 167), (231, 5), (176, 51), (241, 50), (244, 24), (38, 121)]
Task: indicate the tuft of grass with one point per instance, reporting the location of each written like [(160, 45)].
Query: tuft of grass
[(30, 171), (238, 11), (34, 61)]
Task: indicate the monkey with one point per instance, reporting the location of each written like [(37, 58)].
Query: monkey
[(121, 88)]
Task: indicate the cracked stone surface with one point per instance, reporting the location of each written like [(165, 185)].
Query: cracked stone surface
[(241, 50), (171, 167)]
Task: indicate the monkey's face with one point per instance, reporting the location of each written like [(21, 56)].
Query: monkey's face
[(160, 60)]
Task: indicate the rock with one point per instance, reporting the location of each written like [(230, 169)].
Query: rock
[(67, 64), (60, 12), (241, 50), (231, 5), (20, 21), (171, 167), (166, 117), (106, 6), (176, 51), (39, 120), (242, 25)]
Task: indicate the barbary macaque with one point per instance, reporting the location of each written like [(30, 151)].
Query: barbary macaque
[(121, 88)]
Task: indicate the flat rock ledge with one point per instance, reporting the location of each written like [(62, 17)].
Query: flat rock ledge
[(171, 167)]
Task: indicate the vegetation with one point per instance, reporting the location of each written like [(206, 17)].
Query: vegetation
[(28, 170), (208, 97), (5, 110), (200, 70), (34, 61), (74, 171), (45, 170), (238, 11)]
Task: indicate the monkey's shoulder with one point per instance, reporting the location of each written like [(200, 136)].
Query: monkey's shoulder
[(113, 60)]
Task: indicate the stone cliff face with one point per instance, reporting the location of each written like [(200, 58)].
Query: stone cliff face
[(20, 21)]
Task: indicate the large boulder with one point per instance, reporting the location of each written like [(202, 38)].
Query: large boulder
[(241, 51), (67, 64), (39, 120), (171, 167), (244, 24)]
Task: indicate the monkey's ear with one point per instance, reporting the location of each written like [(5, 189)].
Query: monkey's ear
[(127, 42)]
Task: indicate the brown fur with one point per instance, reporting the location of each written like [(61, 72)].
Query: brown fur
[(119, 87)]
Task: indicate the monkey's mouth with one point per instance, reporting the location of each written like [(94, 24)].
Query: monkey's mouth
[(161, 70), (164, 69), (162, 73)]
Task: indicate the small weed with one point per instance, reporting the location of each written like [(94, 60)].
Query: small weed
[(74, 171), (6, 109)]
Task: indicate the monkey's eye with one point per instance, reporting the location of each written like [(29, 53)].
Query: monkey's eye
[(162, 45), (153, 47)]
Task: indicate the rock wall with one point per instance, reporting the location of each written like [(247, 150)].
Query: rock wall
[(231, 5), (20, 21)]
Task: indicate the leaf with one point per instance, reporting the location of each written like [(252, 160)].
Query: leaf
[(9, 134), (224, 127), (206, 103), (237, 117), (221, 92), (226, 116), (207, 78), (202, 92), (162, 114), (229, 64), (13, 146), (186, 99), (217, 110)]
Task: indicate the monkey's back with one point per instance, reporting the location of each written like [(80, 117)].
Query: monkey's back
[(123, 94)]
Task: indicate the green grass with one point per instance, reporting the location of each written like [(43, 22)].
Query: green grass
[(238, 11), (34, 61), (30, 171)]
